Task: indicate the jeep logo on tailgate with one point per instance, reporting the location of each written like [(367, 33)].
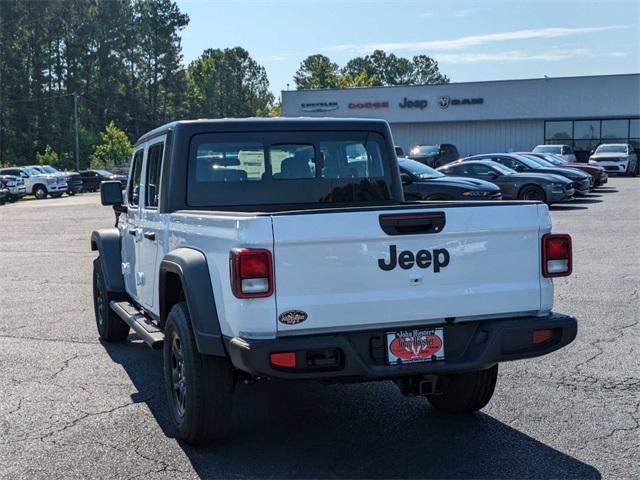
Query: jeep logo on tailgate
[(423, 259)]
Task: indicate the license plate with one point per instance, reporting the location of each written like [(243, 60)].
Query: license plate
[(413, 346)]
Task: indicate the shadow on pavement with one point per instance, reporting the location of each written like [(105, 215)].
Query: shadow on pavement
[(311, 430), (566, 207)]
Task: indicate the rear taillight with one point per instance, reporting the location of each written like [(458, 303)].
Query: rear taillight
[(251, 273), (556, 255)]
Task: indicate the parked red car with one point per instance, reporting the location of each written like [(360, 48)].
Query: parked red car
[(599, 174)]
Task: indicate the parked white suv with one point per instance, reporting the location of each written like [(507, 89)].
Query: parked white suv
[(618, 158), (37, 183), (565, 151)]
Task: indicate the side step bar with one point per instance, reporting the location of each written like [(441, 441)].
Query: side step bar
[(140, 323)]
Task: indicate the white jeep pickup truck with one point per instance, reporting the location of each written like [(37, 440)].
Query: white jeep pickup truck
[(284, 248)]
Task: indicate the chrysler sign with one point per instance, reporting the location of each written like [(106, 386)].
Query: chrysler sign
[(319, 106)]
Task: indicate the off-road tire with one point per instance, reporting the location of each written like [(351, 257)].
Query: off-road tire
[(465, 392), (40, 192), (201, 413), (110, 327)]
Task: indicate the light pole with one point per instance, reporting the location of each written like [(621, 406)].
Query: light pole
[(75, 116)]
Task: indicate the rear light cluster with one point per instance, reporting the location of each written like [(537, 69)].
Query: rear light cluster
[(251, 273), (557, 257)]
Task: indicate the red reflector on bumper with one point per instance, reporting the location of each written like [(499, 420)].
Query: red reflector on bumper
[(286, 359), (540, 336)]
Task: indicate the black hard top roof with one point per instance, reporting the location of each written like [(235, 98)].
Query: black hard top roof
[(268, 124)]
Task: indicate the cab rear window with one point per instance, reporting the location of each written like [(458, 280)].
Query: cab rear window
[(297, 168)]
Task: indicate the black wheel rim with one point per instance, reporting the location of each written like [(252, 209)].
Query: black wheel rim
[(532, 194), (178, 377), (99, 301)]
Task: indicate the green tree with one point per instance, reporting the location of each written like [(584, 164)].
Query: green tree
[(47, 157), (426, 71), (361, 79), (114, 150), (227, 83), (315, 72), (388, 69), (272, 110)]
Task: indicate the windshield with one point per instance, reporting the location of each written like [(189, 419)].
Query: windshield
[(547, 149), (557, 159), (49, 169), (33, 171), (501, 168), (540, 161), (529, 162), (611, 149), (419, 170), (104, 173), (425, 150)]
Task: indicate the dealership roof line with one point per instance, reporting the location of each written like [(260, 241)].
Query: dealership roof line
[(422, 85)]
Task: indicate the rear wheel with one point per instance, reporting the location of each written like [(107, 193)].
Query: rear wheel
[(465, 392), (532, 192), (110, 327), (199, 387), (40, 192)]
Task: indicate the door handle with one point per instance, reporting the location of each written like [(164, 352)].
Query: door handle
[(150, 235)]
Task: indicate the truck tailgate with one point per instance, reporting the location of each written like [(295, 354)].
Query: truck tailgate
[(337, 267)]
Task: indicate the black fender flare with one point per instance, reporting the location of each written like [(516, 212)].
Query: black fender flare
[(190, 265), (107, 243)]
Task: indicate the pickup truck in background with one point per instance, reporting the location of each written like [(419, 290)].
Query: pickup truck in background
[(284, 248), (37, 183), (15, 185)]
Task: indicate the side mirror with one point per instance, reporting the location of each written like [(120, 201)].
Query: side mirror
[(24, 175), (406, 179), (111, 193), (493, 174)]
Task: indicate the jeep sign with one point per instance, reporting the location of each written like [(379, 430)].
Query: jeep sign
[(421, 104)]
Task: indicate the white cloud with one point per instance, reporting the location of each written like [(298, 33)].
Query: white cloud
[(518, 55), (473, 40)]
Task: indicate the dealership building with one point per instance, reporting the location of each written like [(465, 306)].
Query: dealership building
[(495, 116)]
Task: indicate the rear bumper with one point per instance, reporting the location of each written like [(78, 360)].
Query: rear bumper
[(75, 187), (362, 355)]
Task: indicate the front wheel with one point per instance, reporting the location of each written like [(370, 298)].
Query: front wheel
[(465, 392), (110, 327), (199, 387), (532, 192), (40, 192)]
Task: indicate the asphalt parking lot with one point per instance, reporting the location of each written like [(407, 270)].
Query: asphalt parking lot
[(73, 407)]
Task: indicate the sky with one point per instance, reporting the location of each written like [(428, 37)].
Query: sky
[(471, 40)]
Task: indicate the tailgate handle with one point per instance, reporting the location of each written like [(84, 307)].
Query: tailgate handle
[(412, 223)]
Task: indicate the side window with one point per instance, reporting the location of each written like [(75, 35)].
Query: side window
[(154, 164), (133, 192), (481, 170), (508, 162)]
